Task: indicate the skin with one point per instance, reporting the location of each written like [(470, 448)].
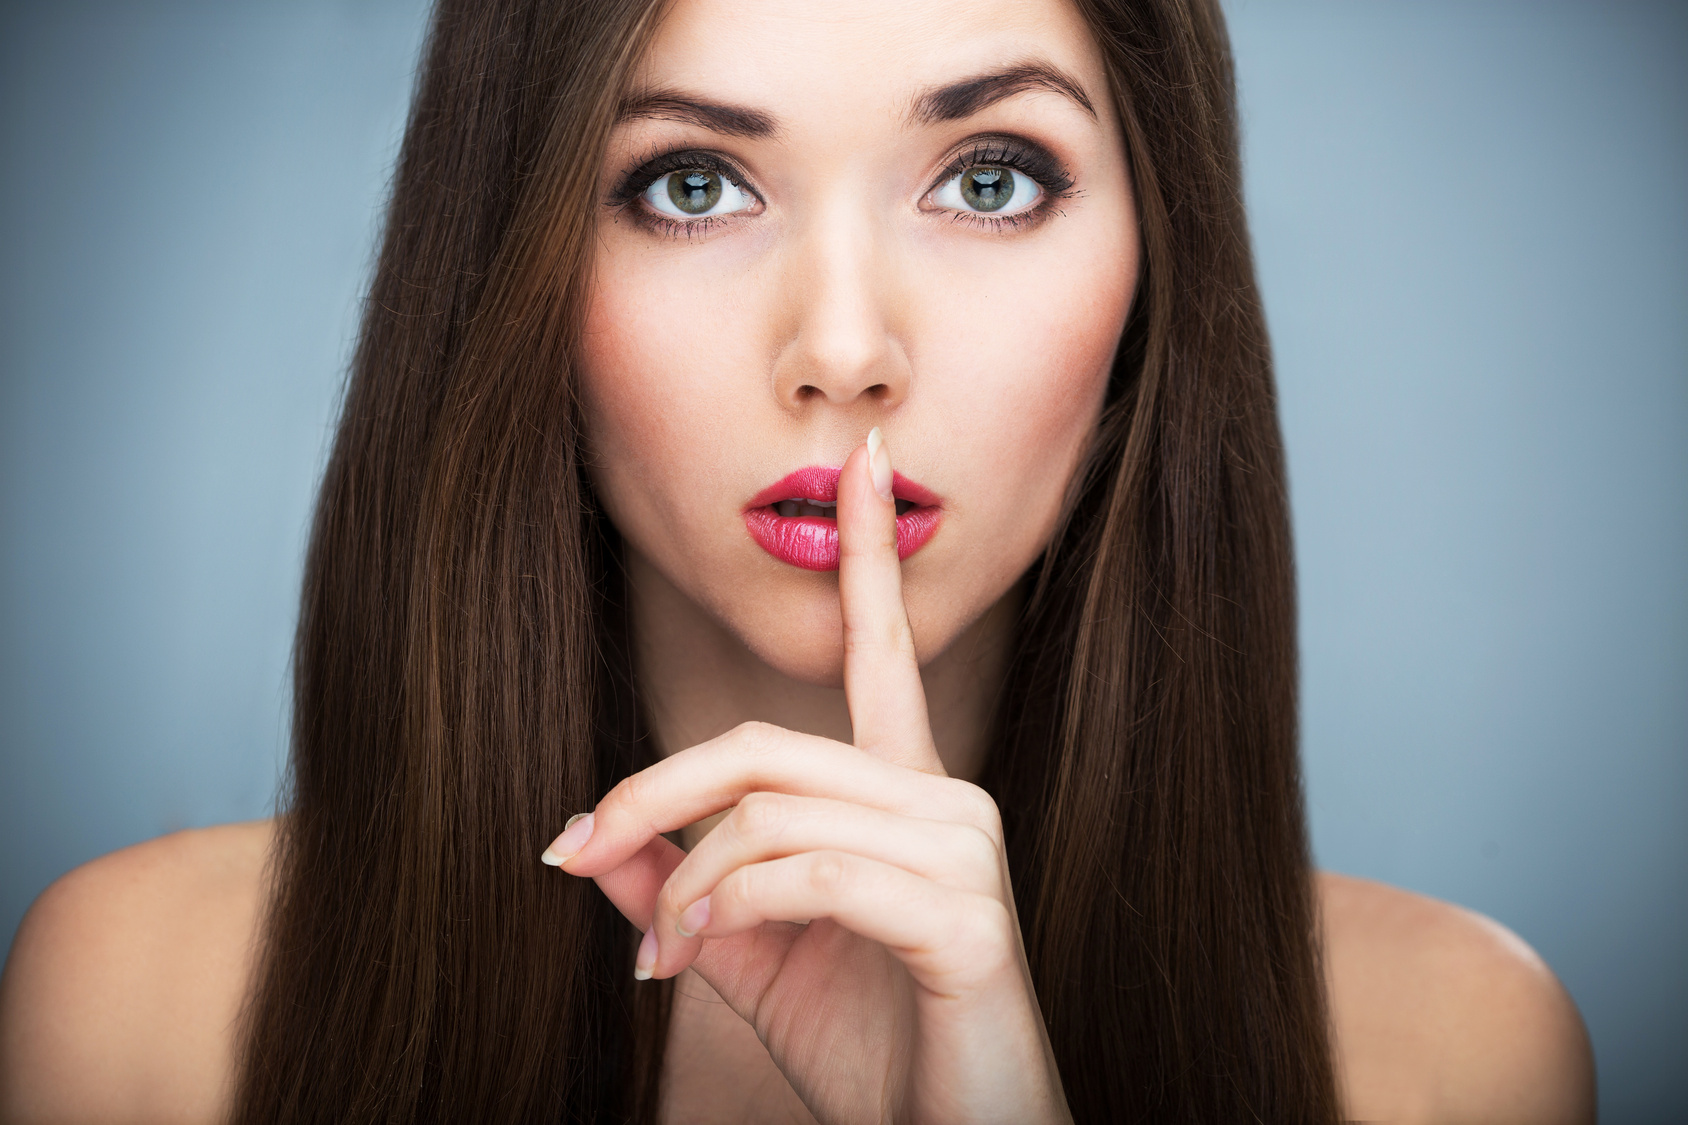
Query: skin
[(857, 955), (844, 295)]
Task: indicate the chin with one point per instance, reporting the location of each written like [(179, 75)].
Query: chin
[(790, 620), (798, 633), (807, 660)]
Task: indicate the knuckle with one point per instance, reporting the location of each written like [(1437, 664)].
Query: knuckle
[(987, 937), (756, 737), (760, 815), (752, 731), (828, 872), (978, 849), (979, 810)]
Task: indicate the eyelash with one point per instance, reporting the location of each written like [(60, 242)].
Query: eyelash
[(625, 196), (1011, 152), (1032, 160)]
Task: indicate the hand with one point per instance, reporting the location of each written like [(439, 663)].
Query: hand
[(907, 997)]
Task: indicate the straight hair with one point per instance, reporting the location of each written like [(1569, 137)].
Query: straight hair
[(463, 680)]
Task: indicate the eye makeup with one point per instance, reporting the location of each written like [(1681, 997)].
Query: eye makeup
[(625, 196), (1005, 150), (996, 150), (633, 183)]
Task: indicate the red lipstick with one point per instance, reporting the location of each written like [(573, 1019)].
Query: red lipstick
[(794, 519)]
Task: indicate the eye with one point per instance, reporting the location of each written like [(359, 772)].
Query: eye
[(695, 193), (988, 189)]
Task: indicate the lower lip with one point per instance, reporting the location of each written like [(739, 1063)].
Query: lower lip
[(812, 542)]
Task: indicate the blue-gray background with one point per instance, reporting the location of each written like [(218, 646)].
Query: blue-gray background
[(1472, 225)]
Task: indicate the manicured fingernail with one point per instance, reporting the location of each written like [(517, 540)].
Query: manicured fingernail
[(879, 463), (644, 962), (694, 918), (575, 834)]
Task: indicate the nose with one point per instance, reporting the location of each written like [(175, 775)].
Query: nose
[(840, 300)]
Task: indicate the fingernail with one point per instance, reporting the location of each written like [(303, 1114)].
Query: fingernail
[(694, 918), (576, 832), (644, 962), (879, 463)]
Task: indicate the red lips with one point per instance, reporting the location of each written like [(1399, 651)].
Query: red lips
[(811, 541)]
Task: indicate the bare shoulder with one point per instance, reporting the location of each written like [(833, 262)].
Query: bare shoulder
[(125, 980), (1441, 1014)]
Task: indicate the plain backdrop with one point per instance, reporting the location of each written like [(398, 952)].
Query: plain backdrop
[(1472, 229)]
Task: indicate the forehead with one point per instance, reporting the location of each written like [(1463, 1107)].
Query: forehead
[(800, 57)]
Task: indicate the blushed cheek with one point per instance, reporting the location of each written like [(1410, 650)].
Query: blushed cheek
[(1040, 397), (1078, 333), (627, 408), (650, 378), (626, 357)]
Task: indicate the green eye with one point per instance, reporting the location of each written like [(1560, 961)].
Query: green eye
[(987, 189), (694, 191)]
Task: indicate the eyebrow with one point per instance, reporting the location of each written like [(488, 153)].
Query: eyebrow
[(673, 105), (951, 102), (972, 95)]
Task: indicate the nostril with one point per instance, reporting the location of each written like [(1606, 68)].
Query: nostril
[(808, 392)]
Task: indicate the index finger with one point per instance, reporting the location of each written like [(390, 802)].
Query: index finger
[(881, 674)]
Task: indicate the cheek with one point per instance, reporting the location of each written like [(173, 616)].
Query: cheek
[(1015, 389), (1002, 403), (1025, 379), (655, 401)]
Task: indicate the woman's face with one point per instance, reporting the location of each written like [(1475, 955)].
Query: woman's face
[(821, 218)]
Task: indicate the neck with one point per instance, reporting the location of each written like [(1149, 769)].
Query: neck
[(698, 680)]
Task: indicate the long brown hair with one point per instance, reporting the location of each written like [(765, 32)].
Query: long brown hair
[(462, 681)]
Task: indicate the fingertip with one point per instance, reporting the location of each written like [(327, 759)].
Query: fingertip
[(693, 919), (574, 837), (867, 512), (879, 464), (644, 962), (677, 958)]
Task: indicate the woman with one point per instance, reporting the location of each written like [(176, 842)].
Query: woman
[(994, 749)]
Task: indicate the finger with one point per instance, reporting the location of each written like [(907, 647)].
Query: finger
[(881, 674), (633, 886), (686, 787), (737, 967), (633, 889), (768, 826), (949, 939)]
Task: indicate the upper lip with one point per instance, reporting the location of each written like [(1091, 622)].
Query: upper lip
[(819, 483)]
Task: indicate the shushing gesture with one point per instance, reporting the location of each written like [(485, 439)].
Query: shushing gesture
[(906, 996)]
